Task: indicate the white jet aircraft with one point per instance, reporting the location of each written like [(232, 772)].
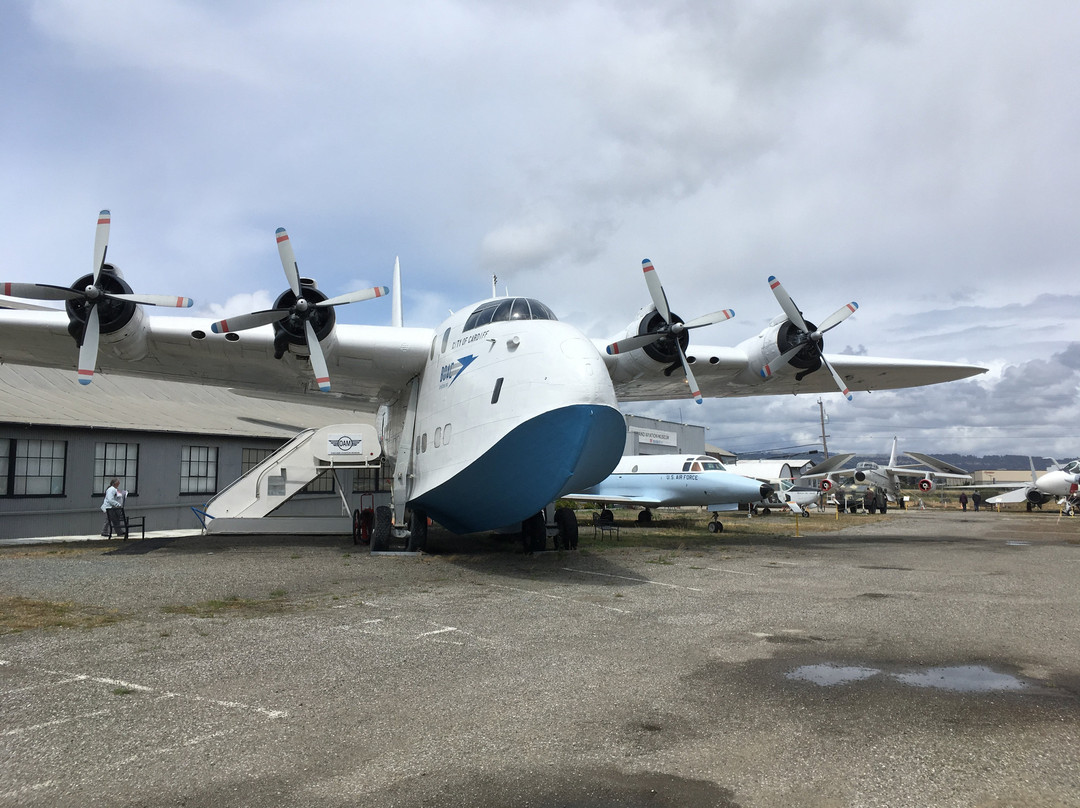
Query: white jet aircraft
[(484, 420), (651, 481), (1062, 482), (929, 473)]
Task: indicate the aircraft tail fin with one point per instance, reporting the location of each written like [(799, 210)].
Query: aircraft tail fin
[(892, 457), (396, 319)]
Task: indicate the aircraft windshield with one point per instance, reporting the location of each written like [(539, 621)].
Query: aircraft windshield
[(508, 308), (1072, 467), (713, 465)]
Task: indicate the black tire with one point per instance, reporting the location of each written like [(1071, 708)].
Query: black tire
[(566, 522), (356, 532), (645, 517), (380, 532), (765, 511), (716, 526), (534, 533), (417, 532)]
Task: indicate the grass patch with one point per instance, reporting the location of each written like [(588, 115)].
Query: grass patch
[(681, 530), (233, 605), (24, 614)]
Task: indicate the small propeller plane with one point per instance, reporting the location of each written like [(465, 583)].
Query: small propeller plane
[(928, 474), (652, 481), (484, 420)]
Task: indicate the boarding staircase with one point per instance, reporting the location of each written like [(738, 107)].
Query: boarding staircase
[(246, 505)]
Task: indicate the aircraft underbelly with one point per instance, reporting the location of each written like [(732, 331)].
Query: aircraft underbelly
[(561, 450)]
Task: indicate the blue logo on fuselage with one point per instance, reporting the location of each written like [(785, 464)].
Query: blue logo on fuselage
[(448, 373)]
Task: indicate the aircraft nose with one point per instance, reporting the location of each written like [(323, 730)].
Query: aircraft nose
[(767, 490)]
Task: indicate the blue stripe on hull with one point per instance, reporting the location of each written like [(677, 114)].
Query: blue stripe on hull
[(557, 452)]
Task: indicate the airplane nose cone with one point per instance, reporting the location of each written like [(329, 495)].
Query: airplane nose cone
[(767, 490)]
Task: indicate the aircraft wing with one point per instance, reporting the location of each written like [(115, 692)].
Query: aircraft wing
[(827, 467), (727, 372), (938, 465), (1009, 497), (367, 364), (639, 501)]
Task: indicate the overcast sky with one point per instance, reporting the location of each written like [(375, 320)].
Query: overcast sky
[(920, 158)]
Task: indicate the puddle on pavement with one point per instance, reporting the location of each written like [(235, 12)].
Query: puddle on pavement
[(826, 675), (958, 678)]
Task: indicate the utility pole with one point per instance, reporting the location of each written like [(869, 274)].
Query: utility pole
[(824, 417)]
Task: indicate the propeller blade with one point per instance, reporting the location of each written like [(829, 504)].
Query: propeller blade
[(355, 297), (288, 260), (786, 303), (88, 350), (840, 384), (706, 319), (40, 291), (656, 290), (101, 242), (630, 343), (9, 303), (154, 300), (780, 361), (318, 361), (242, 322), (837, 317), (695, 391)]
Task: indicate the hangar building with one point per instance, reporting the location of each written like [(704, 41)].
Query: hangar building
[(172, 445)]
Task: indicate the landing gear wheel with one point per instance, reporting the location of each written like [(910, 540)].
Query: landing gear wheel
[(645, 517), (534, 533), (716, 526), (417, 532), (380, 534), (566, 522)]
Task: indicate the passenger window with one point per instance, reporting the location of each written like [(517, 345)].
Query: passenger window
[(423, 442), (446, 435), (438, 436), (445, 339), (498, 389)]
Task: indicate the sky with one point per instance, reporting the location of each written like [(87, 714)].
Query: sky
[(918, 157)]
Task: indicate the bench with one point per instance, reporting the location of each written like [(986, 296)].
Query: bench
[(604, 527), (130, 522)]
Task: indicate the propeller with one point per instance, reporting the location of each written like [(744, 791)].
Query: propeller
[(671, 327), (298, 307), (808, 337), (88, 298)]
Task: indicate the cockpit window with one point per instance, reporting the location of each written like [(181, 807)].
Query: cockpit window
[(508, 308), (714, 465), (1072, 467)]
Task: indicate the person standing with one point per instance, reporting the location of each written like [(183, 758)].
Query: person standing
[(113, 506), (976, 500), (963, 502)]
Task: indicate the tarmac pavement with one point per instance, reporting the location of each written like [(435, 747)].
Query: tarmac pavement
[(930, 658)]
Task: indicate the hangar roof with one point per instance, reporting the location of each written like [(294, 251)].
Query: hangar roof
[(48, 397)]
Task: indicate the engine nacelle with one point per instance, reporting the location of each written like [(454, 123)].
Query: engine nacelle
[(764, 350), (1036, 497), (926, 484), (860, 476), (289, 331), (122, 324)]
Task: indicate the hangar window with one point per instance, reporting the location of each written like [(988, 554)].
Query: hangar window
[(323, 484), (508, 308), (250, 458), (119, 460), (370, 480), (34, 468), (198, 469)]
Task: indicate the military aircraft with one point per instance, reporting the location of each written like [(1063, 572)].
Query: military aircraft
[(484, 420), (928, 474), (651, 481), (1058, 483)]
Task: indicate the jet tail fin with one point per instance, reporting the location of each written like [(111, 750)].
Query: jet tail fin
[(396, 319)]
